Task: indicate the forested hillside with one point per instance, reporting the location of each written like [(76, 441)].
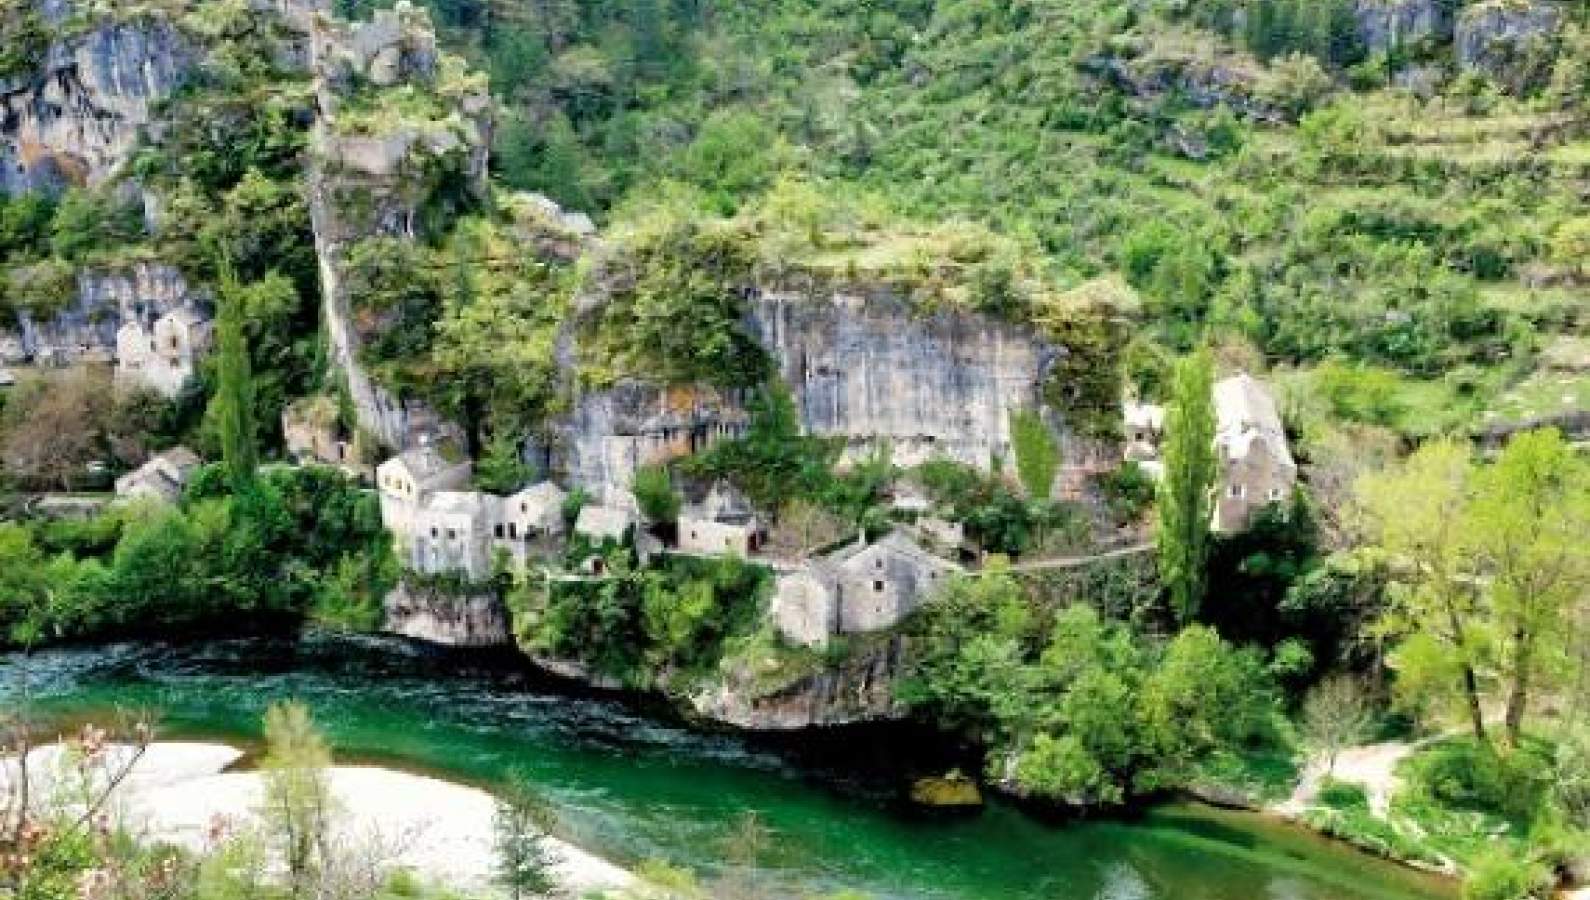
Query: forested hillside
[(1387, 193)]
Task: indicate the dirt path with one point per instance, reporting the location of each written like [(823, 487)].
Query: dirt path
[(1373, 766)]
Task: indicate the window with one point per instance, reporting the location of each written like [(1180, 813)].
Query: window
[(1275, 494), (513, 530), (1236, 492), (524, 508), (434, 532), (452, 535), (877, 586), (498, 531)]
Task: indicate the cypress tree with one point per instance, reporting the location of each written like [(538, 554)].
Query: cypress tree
[(1186, 496)]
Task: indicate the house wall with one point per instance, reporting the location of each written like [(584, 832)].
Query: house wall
[(803, 609), (448, 541), (1249, 484), (880, 586), (709, 538)]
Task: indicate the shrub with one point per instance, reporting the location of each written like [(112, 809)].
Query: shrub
[(1499, 875)]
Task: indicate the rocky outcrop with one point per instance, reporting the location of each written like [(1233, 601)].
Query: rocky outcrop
[(873, 370), (1400, 24), (78, 117), (1205, 82), (374, 168), (611, 433), (430, 614), (85, 331), (861, 689), (1507, 40)]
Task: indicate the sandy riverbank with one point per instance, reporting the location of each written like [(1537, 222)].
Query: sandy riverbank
[(439, 830)]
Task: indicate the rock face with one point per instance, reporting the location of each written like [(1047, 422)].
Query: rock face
[(430, 615), (86, 331), (611, 433), (77, 119), (1496, 36), (372, 178), (858, 690), (1388, 24), (870, 369)]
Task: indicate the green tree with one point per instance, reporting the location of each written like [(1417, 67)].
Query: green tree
[(1186, 497), (654, 491), (298, 806), (1418, 513), (1528, 525), (234, 398), (1037, 455), (521, 826)]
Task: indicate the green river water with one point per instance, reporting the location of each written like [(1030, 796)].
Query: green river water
[(634, 786)]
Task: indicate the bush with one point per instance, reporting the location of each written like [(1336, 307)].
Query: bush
[(1499, 875), (1343, 795), (1463, 773)]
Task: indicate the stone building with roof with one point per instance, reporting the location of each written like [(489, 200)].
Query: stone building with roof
[(857, 589), (1256, 465), (723, 523), (1255, 462), (162, 479), (441, 527), (162, 355)]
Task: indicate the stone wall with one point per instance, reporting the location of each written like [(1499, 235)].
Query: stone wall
[(1388, 24)]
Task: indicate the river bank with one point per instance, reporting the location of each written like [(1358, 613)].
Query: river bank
[(632, 787), (193, 794)]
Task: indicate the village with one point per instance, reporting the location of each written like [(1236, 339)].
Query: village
[(444, 530)]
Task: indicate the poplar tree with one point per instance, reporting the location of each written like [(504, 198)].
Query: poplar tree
[(1186, 495), (234, 396)]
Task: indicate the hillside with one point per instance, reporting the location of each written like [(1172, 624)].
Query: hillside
[(1395, 185)]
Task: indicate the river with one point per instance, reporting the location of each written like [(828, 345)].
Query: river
[(635, 786)]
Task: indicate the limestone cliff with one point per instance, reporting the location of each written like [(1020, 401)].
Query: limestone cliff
[(435, 616), (869, 368), (77, 118), (397, 121), (85, 331), (863, 365), (860, 689), (1400, 24)]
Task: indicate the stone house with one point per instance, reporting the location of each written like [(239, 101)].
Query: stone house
[(1256, 465), (1255, 462), (857, 589), (313, 433), (440, 526), (405, 481), (724, 523), (1145, 429), (601, 524), (164, 354), (451, 532), (533, 514), (162, 479)]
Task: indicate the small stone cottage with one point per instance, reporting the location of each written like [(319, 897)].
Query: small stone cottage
[(162, 479), (1256, 465), (723, 523), (859, 588)]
